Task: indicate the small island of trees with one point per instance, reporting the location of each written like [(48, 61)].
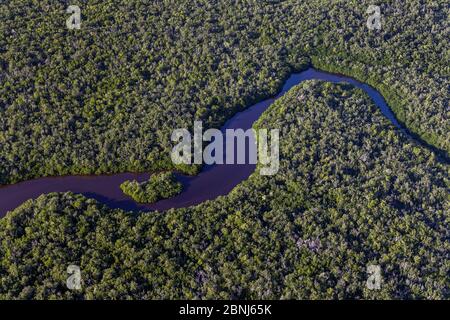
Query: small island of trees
[(159, 186)]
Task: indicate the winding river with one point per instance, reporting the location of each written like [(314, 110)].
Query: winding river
[(211, 182)]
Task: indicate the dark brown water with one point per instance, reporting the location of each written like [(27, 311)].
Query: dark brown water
[(213, 181)]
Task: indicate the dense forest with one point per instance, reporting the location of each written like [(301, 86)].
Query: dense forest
[(351, 191), (159, 186), (105, 98)]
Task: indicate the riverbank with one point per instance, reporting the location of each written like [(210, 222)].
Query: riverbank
[(211, 182)]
